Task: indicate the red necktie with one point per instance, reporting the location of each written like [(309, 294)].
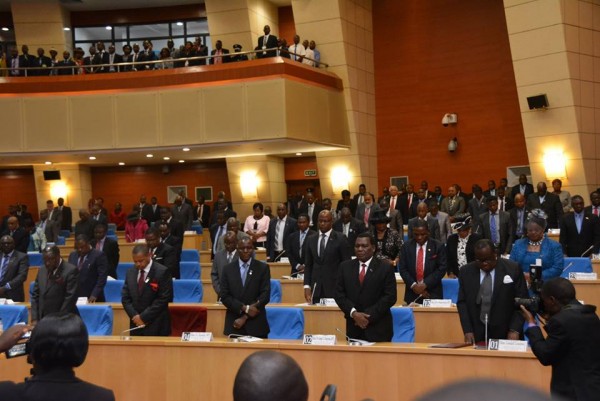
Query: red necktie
[(393, 204), (595, 210), (366, 217), (363, 271), (420, 269), (141, 282), (409, 200)]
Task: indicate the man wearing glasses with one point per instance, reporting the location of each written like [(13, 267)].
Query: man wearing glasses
[(488, 287)]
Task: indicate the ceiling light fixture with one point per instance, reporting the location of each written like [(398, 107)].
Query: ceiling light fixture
[(48, 163), (179, 23), (121, 164), (66, 28), (299, 154), (92, 157), (186, 149), (5, 29), (166, 158), (109, 28), (149, 155), (181, 161)]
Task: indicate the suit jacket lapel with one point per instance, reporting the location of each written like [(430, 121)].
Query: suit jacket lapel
[(498, 280), (369, 273)]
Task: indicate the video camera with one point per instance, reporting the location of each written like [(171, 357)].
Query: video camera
[(533, 304)]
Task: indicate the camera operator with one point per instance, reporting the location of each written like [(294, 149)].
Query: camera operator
[(572, 345)]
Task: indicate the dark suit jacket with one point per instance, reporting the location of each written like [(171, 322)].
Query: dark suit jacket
[(360, 213), (92, 275), (56, 384), (375, 297), (85, 227), (574, 244), (452, 251), (350, 205), (432, 223), (185, 215), (290, 226), (205, 218), (51, 231), (225, 56), (111, 250), (177, 229), (509, 203), (476, 209), (271, 43), (356, 227), (315, 216), (514, 223), (21, 238), (403, 206), (65, 71), (67, 218), (572, 349), (503, 315), (149, 215), (434, 268), (323, 270), (219, 262), (517, 190), (42, 62), (15, 276), (506, 239), (166, 255), (55, 294), (552, 206), (152, 304), (293, 249), (234, 296)]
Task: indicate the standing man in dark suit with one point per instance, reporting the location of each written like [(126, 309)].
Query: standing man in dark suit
[(146, 210), (518, 217), (176, 226), (18, 234), (366, 290), (14, 266), (152, 211), (55, 288), (422, 265), (167, 238), (311, 209), (219, 55), (108, 246), (505, 203), (548, 202), (346, 201), (324, 254), (406, 201), (53, 213), (267, 41), (223, 258), (26, 60), (162, 253), (48, 227), (93, 268), (296, 245), (365, 210), (279, 232), (579, 230), (359, 198), (524, 188), (202, 212), (487, 290), (66, 215), (432, 223), (245, 291), (349, 227), (183, 212), (65, 62), (594, 208), (146, 294), (495, 226), (477, 205)]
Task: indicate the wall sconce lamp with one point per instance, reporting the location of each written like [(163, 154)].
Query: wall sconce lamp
[(58, 189), (453, 145), (249, 185), (555, 165), (340, 177)]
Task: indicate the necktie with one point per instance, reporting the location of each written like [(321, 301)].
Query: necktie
[(494, 233), (277, 231), (99, 245), (346, 229), (310, 214), (244, 273), (322, 245), (217, 239), (80, 263), (3, 267), (363, 271), (409, 200), (141, 281), (229, 257), (578, 221), (393, 203), (366, 217), (520, 222), (595, 210), (486, 297), (302, 236), (420, 267), (501, 204)]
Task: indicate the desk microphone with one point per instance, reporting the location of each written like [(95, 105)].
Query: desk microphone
[(312, 295), (278, 257), (587, 250), (235, 337), (124, 337), (414, 303), (571, 264), (352, 341), (486, 322)]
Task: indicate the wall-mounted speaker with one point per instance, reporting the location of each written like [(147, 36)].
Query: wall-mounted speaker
[(537, 102), (51, 175), (166, 169)]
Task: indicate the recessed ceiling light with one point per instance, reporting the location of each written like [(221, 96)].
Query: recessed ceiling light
[(186, 149), (66, 28), (5, 29), (298, 154), (179, 23), (149, 155), (92, 157), (166, 158), (109, 28), (181, 161), (48, 162), (121, 164)]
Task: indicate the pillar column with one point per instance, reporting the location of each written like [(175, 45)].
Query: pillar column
[(41, 24)]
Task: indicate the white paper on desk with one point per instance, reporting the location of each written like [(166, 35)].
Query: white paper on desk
[(304, 304), (284, 260), (109, 278), (249, 339), (197, 336)]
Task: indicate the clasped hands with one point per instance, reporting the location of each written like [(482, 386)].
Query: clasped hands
[(253, 311), (421, 289), (361, 319)]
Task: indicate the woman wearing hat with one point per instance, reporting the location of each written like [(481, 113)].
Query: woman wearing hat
[(536, 246), (460, 247), (389, 241), (136, 227)]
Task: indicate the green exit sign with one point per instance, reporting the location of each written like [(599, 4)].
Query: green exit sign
[(310, 173)]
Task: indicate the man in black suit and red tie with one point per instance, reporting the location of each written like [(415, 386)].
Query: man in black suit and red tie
[(245, 291), (108, 246), (548, 202), (324, 254), (422, 265), (93, 268), (594, 208), (579, 230), (161, 252), (146, 294), (366, 290)]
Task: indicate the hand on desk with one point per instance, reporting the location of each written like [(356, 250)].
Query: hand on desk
[(308, 295), (361, 319), (469, 338)]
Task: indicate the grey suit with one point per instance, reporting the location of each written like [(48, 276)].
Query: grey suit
[(396, 221), (444, 223), (56, 216), (506, 238), (432, 223), (216, 272), (55, 294), (15, 276), (183, 213), (51, 231), (457, 207), (360, 212)]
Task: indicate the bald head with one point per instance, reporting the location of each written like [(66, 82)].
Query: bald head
[(270, 375)]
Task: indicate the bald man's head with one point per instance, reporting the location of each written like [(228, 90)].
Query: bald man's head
[(270, 375)]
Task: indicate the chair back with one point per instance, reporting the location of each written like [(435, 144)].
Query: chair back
[(189, 270), (97, 318), (404, 325), (285, 323), (122, 268), (35, 258), (450, 289), (576, 265), (275, 292), (65, 233), (113, 289), (190, 255), (187, 291), (187, 318), (60, 240)]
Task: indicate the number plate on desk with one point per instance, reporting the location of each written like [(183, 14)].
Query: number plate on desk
[(583, 276), (197, 337), (319, 339), (437, 303), (328, 302), (507, 345)]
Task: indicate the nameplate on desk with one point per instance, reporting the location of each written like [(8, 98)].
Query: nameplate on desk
[(296, 277), (437, 303), (507, 345), (284, 260), (583, 276), (554, 231), (197, 336), (328, 302), (319, 339), (82, 301)]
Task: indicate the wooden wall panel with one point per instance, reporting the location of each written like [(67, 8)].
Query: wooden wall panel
[(295, 166), (433, 58), (18, 186), (126, 184), (138, 15), (287, 26)]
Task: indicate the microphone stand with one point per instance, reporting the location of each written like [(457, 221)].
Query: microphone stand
[(126, 338)]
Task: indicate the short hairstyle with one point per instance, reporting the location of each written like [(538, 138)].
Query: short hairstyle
[(59, 341), (485, 243), (345, 192), (152, 231), (556, 180), (101, 225), (559, 288), (140, 249), (53, 250), (574, 197), (270, 375), (258, 205), (82, 237), (368, 235), (421, 224), (491, 199), (303, 216)]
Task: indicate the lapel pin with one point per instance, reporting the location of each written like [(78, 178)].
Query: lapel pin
[(147, 280), (250, 272)]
